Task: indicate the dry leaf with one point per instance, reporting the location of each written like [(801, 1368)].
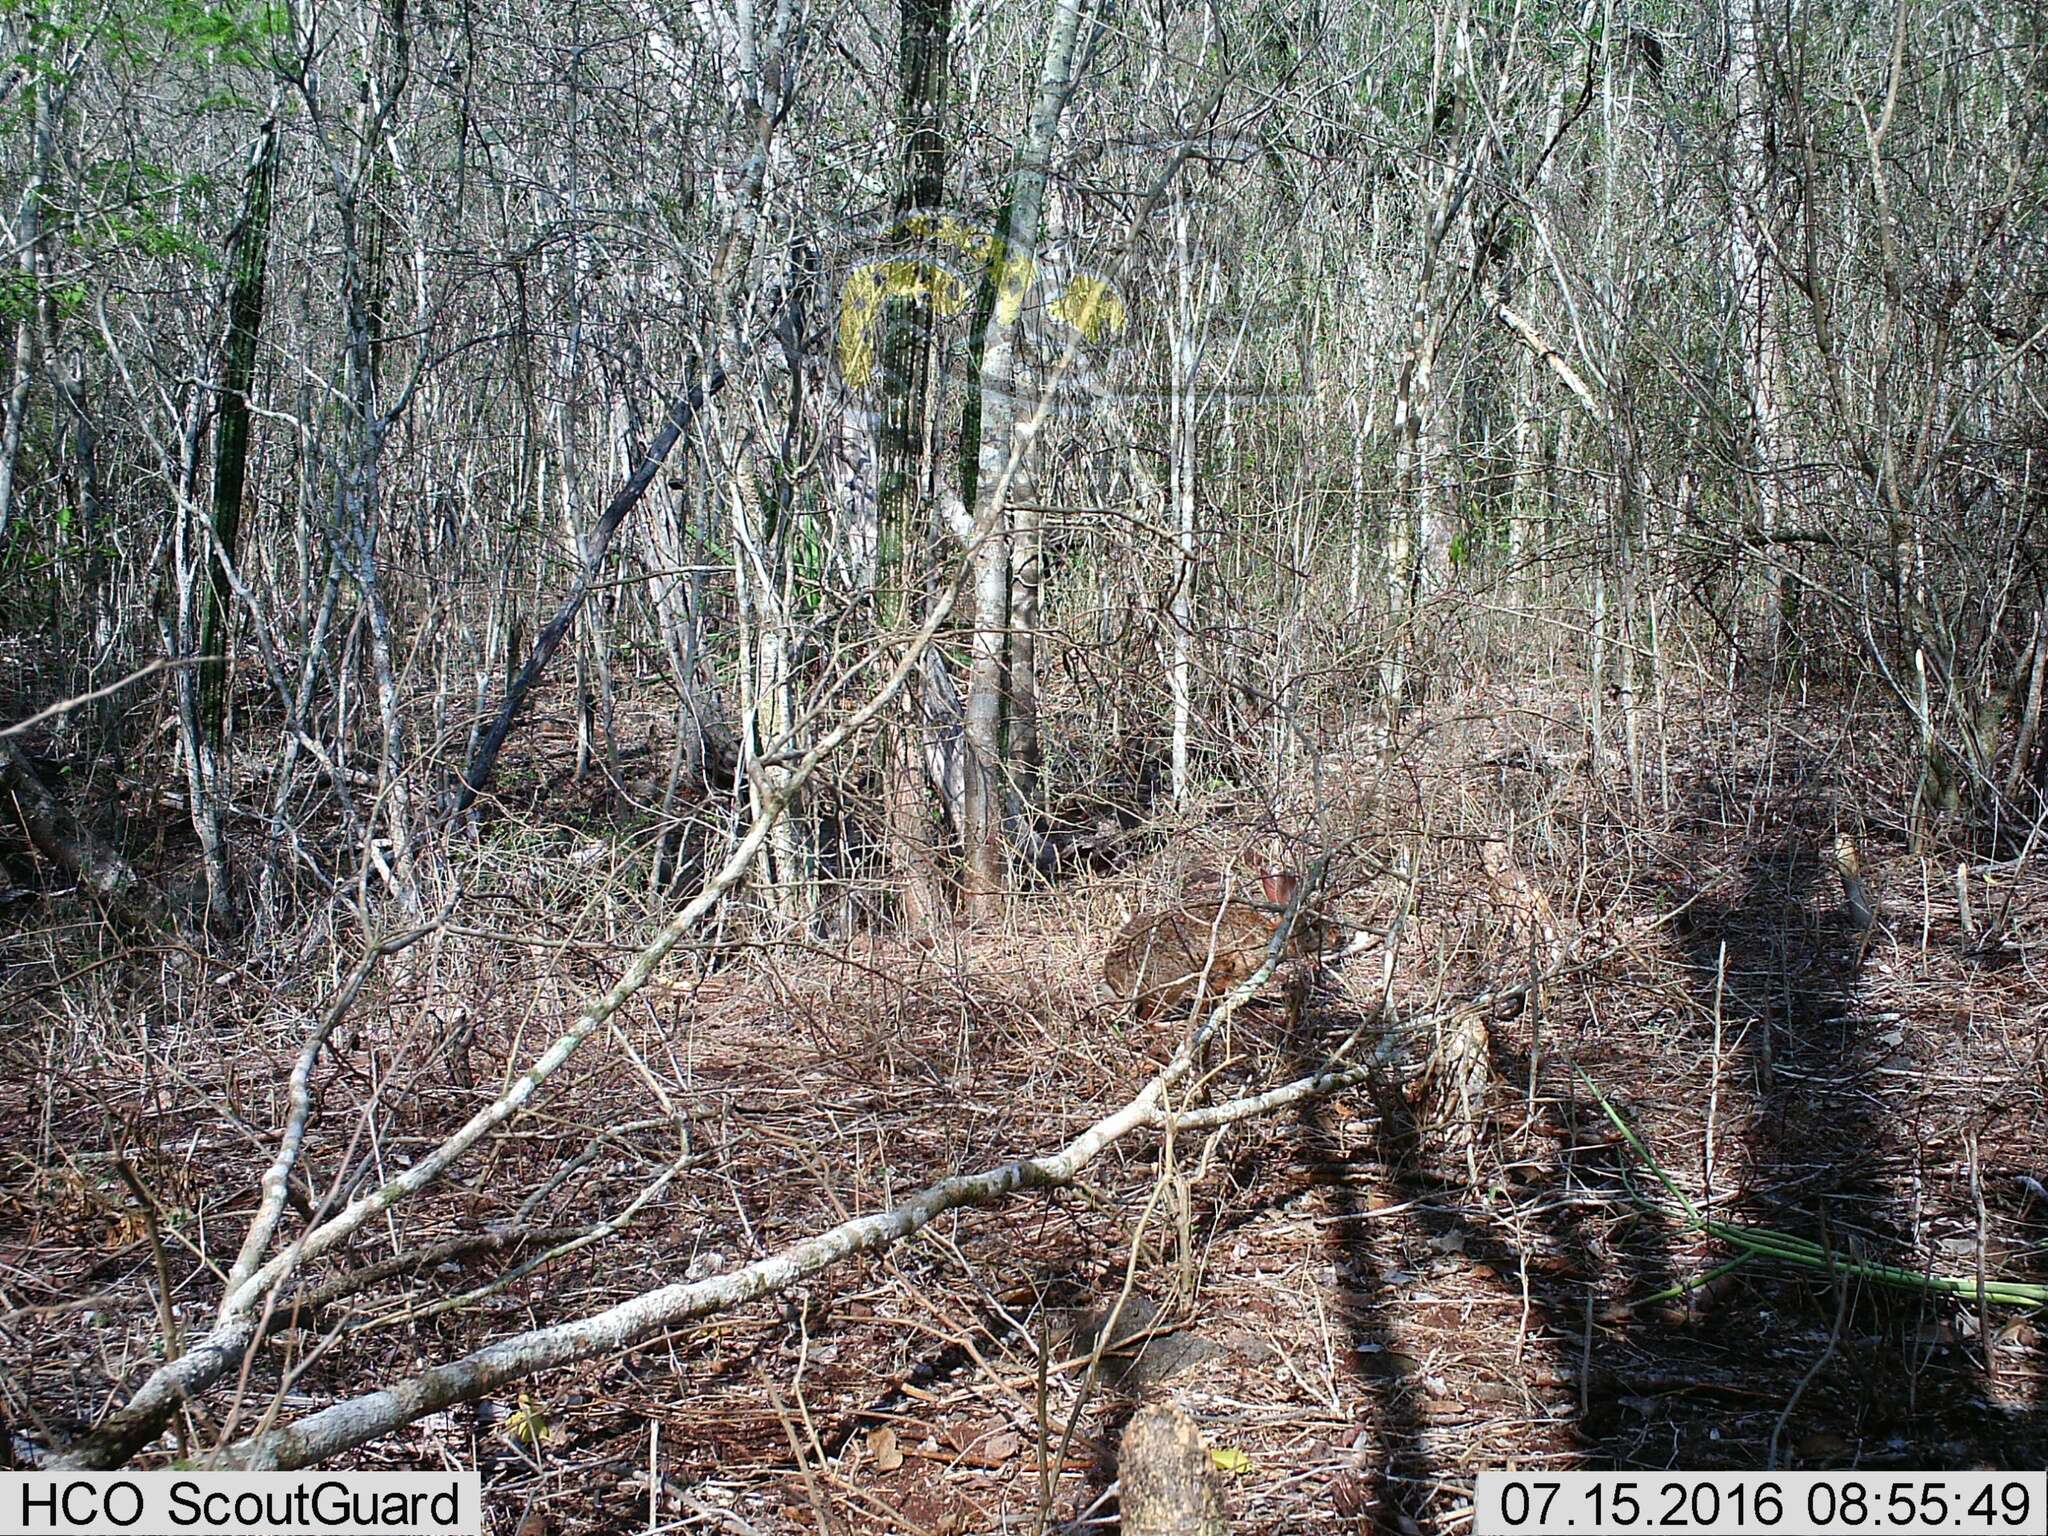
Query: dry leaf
[(1230, 1461), (882, 1446), (532, 1523), (1002, 1447)]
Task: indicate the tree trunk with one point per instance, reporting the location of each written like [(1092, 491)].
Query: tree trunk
[(1184, 354), (1417, 537), (248, 248), (1027, 575), (904, 506), (202, 693), (1752, 177), (768, 704), (1004, 440), (28, 226)]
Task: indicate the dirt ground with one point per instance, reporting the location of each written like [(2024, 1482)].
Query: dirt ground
[(1361, 1306)]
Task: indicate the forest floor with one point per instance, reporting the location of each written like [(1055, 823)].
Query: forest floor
[(1366, 1312)]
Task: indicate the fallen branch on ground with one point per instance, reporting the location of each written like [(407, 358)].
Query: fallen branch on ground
[(343, 1426), (337, 1428), (206, 1361)]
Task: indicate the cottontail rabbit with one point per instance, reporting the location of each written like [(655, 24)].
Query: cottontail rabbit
[(1200, 949)]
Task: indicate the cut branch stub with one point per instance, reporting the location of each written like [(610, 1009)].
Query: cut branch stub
[(1166, 1486)]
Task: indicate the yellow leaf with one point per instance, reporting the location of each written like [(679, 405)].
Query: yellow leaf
[(1230, 1461), (528, 1423)]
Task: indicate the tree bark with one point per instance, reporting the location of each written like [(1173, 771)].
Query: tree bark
[(904, 509), (1752, 177), (1167, 1485), (1417, 541), (28, 231), (1004, 435), (1187, 326), (248, 248)]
